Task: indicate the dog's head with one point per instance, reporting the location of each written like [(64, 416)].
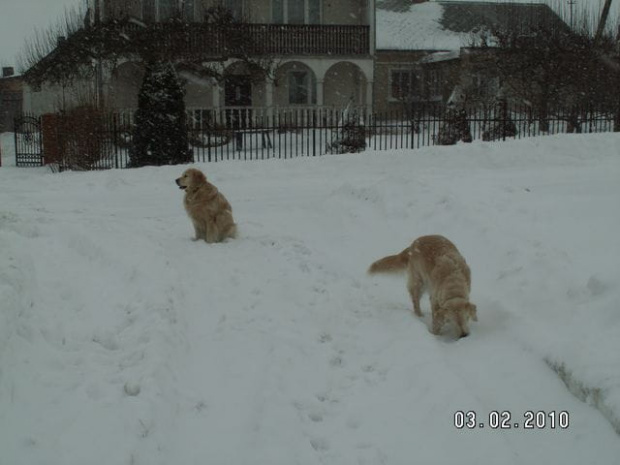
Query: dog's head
[(462, 312), (191, 178)]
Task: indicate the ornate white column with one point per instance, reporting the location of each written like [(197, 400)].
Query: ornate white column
[(269, 100), (319, 92), (369, 95)]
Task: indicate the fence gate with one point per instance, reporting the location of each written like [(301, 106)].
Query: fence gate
[(28, 141)]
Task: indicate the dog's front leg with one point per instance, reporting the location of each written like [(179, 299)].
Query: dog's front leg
[(199, 231), (437, 325), (212, 231), (438, 321)]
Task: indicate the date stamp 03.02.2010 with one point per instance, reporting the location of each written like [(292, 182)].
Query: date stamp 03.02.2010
[(503, 420)]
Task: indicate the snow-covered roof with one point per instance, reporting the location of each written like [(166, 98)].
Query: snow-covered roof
[(450, 25), (436, 57), (414, 27)]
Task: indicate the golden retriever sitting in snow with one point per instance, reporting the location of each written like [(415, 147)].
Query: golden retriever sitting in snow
[(208, 209), (434, 264)]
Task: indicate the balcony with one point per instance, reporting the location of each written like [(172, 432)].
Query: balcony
[(196, 43), (205, 41)]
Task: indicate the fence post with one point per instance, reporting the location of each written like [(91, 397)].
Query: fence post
[(51, 142), (504, 110), (115, 140), (314, 122)]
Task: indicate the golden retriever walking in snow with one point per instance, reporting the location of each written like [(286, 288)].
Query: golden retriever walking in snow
[(434, 264), (208, 209)]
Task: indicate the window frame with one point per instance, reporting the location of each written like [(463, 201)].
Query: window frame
[(280, 12), (434, 84), (155, 7), (172, 5), (191, 14), (414, 85), (238, 12)]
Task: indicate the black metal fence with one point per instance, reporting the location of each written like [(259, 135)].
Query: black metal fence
[(105, 141), (28, 141)]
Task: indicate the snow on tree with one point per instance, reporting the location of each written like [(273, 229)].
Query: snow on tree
[(350, 137), (455, 126), (160, 134)]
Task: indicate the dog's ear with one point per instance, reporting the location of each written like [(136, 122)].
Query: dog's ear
[(199, 177)]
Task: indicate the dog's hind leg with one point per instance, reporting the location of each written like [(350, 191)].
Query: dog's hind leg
[(226, 226), (415, 286), (212, 233), (231, 231)]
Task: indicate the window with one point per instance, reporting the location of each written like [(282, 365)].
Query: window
[(435, 83), (148, 11), (296, 11), (403, 84), (189, 10), (301, 88), (167, 9), (163, 10), (235, 7)]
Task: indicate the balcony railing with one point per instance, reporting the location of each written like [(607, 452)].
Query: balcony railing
[(202, 41)]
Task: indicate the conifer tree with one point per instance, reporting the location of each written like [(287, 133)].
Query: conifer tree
[(160, 133)]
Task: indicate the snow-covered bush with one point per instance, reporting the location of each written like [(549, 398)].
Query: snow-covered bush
[(351, 136), (455, 126)]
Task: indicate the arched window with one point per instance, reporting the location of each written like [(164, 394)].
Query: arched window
[(296, 11)]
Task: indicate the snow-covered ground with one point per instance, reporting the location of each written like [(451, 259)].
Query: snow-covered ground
[(124, 342)]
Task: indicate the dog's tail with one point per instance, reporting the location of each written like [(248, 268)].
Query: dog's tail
[(391, 264)]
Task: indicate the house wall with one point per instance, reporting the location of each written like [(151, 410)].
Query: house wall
[(125, 82), (352, 12), (385, 62), (120, 8), (198, 94), (451, 74), (50, 98), (344, 83), (124, 85), (258, 11), (11, 96), (341, 80)]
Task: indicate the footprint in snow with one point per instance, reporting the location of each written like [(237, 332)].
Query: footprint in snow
[(320, 444)]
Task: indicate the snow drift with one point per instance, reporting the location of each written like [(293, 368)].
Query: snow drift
[(122, 341)]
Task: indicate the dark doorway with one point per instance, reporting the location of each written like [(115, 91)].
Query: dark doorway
[(238, 93)]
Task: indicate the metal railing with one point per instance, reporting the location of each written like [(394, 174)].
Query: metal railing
[(203, 40), (251, 133)]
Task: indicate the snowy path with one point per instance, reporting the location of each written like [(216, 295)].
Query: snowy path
[(122, 341)]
